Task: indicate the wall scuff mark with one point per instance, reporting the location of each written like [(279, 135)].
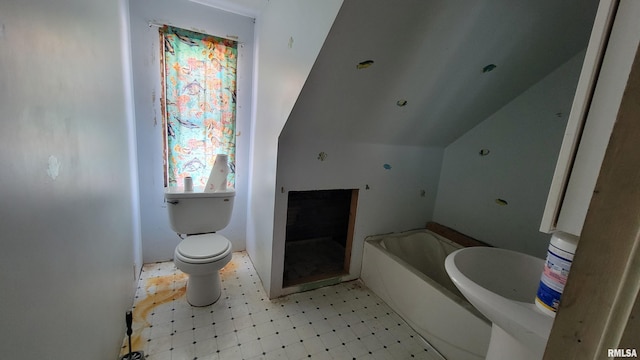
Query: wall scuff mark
[(153, 103), (53, 169)]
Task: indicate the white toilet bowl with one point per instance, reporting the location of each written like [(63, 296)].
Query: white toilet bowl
[(203, 252), (201, 257)]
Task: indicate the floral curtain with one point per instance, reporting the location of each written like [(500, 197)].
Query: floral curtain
[(199, 106)]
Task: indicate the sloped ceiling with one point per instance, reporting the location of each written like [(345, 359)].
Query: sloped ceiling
[(432, 53), (250, 8)]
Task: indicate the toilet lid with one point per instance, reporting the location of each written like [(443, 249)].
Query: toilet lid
[(203, 246)]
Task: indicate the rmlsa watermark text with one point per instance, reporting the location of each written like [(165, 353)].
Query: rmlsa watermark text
[(622, 353)]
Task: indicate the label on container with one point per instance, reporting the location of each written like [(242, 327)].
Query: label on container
[(554, 278)]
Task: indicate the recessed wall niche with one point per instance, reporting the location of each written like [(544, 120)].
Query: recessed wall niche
[(319, 234)]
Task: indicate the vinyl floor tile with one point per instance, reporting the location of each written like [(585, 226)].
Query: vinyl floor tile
[(344, 321)]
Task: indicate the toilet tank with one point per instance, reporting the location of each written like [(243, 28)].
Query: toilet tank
[(198, 212)]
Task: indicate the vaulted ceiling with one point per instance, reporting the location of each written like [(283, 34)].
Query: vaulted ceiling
[(454, 63), (250, 8)]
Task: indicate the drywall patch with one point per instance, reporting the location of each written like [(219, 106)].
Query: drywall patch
[(489, 68), (364, 64), (502, 202), (290, 42), (53, 169)]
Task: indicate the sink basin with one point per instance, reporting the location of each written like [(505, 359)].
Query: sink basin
[(502, 285)]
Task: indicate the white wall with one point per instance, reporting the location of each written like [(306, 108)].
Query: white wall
[(524, 139), (68, 208), (394, 200), (289, 35), (158, 240), (602, 115)]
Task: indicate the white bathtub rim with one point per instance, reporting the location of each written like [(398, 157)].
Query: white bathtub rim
[(406, 233), (450, 295), (444, 294)]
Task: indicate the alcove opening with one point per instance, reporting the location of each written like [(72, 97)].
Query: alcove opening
[(319, 235)]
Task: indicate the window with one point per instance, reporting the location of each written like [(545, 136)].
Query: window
[(198, 104)]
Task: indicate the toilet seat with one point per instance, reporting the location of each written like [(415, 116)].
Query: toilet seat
[(203, 248)]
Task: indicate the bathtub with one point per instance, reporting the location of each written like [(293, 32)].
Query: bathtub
[(407, 271)]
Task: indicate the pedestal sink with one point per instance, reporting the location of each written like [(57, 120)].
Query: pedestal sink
[(502, 285)]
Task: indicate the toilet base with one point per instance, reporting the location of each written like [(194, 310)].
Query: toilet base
[(203, 290), (203, 282)]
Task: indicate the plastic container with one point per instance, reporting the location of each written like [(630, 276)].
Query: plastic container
[(562, 247)]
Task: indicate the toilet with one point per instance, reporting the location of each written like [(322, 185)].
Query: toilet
[(196, 216)]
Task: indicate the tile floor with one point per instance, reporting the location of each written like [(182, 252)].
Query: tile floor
[(344, 321)]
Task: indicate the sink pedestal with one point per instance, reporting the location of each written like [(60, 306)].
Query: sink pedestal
[(502, 284), (503, 346)]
